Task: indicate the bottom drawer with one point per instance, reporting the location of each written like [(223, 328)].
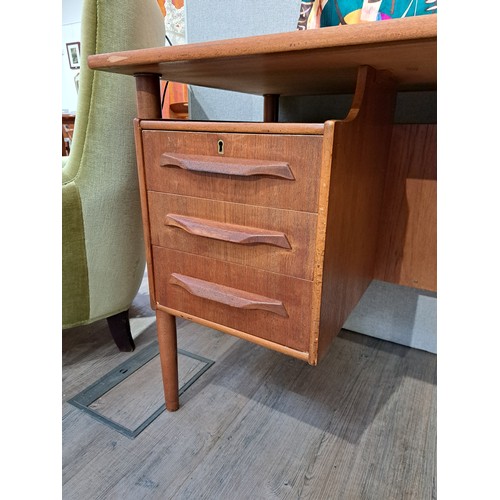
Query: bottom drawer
[(263, 304)]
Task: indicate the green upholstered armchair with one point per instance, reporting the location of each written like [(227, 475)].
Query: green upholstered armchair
[(102, 240)]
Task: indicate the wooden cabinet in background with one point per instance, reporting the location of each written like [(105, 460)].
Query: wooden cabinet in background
[(68, 124)]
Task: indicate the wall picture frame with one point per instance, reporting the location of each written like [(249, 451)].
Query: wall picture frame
[(73, 50)]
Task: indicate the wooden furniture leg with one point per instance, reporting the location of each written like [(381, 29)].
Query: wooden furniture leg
[(167, 342), (148, 96), (119, 326), (149, 108), (271, 107)]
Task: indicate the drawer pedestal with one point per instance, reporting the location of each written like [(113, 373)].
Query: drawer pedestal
[(264, 231)]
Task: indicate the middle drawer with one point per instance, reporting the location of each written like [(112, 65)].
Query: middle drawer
[(280, 241)]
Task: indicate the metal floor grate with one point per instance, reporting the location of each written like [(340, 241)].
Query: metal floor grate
[(116, 376)]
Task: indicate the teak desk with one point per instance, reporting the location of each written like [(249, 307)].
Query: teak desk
[(269, 231)]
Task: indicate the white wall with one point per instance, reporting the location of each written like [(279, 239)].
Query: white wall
[(71, 27)]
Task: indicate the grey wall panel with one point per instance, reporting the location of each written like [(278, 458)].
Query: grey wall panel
[(208, 20)]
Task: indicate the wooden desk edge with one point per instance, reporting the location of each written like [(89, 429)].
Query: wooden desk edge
[(375, 33)]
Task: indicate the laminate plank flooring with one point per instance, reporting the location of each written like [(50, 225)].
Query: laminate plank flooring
[(259, 425)]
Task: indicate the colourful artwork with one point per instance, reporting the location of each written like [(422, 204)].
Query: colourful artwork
[(322, 13), (161, 3)]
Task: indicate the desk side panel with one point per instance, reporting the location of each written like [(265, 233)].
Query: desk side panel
[(144, 208), (360, 152)]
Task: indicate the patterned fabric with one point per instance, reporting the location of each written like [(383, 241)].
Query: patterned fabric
[(310, 14), (322, 13)]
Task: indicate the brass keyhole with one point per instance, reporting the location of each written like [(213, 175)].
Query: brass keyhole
[(220, 146)]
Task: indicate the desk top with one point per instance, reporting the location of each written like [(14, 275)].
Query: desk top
[(309, 62)]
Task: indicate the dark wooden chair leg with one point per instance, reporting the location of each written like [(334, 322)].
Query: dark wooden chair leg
[(119, 326)]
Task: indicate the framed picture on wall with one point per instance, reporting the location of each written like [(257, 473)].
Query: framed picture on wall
[(73, 50)]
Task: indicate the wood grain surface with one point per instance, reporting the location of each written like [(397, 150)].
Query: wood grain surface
[(407, 247), (308, 62), (295, 259), (361, 145), (295, 295), (301, 152)]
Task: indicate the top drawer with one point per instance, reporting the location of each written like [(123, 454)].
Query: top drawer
[(274, 170)]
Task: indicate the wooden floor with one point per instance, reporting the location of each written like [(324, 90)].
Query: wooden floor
[(257, 424)]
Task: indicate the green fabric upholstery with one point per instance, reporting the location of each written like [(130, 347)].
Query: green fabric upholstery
[(75, 291), (103, 248)]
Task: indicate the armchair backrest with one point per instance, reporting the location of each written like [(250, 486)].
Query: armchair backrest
[(100, 175), (106, 102)]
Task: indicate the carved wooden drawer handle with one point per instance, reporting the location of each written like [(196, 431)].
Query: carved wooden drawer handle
[(227, 166), (226, 295), (232, 233)]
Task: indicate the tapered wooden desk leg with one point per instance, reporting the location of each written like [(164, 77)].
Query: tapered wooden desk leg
[(148, 96), (167, 342), (271, 107)]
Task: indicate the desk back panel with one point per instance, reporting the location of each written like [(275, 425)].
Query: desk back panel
[(407, 247)]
